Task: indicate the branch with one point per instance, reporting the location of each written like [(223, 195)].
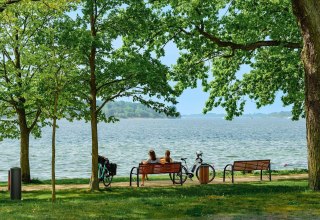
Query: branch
[(5, 52), (102, 9), (109, 99), (3, 5), (35, 120), (5, 69), (5, 100), (246, 47), (114, 81)]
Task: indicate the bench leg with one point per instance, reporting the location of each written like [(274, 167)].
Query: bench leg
[(174, 178), (270, 172), (130, 179), (232, 174), (138, 178), (224, 171), (131, 173)]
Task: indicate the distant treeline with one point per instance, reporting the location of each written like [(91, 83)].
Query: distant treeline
[(122, 109), (282, 114)]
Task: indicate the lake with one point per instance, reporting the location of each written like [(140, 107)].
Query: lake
[(127, 143)]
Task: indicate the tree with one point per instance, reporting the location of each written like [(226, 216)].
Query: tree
[(109, 72), (21, 98), (59, 83), (220, 36)]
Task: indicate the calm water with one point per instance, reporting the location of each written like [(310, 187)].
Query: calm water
[(128, 141)]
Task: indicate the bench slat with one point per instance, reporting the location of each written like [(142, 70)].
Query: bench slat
[(159, 168)]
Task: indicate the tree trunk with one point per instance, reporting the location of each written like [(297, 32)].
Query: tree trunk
[(24, 147), (94, 183), (53, 159), (307, 13), (24, 130)]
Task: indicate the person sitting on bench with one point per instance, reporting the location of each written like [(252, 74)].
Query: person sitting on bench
[(166, 158), (152, 159)]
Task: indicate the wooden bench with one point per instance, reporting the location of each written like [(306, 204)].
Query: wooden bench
[(248, 165), (155, 168)]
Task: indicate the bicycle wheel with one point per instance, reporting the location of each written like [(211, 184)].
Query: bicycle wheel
[(107, 178), (178, 176), (212, 172)]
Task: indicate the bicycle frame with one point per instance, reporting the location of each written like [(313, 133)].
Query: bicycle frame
[(198, 161), (103, 170)]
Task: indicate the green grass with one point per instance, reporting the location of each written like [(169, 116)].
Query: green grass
[(255, 200)]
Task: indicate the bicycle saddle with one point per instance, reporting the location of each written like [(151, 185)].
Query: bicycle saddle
[(183, 158)]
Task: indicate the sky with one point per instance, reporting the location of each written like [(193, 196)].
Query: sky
[(192, 101)]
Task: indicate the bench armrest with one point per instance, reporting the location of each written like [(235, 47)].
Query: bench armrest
[(225, 168)]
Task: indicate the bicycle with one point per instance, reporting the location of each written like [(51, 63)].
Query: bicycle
[(185, 173), (106, 170)]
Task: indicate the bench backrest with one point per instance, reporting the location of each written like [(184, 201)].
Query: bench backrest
[(250, 165), (154, 168)]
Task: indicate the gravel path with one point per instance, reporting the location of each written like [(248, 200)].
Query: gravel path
[(160, 183)]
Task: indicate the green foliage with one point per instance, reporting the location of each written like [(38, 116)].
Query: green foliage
[(23, 61), (120, 70), (60, 76), (221, 37)]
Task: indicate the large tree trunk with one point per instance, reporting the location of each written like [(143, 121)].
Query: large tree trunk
[(308, 15), (94, 184), (24, 147)]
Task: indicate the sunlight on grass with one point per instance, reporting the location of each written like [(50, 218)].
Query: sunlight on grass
[(267, 199)]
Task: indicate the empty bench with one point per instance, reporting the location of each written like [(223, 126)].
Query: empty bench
[(155, 168), (247, 165)]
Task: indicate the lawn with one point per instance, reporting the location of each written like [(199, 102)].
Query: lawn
[(262, 200)]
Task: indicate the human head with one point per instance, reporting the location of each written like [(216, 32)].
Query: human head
[(152, 155)]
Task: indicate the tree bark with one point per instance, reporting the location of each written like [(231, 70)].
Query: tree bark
[(94, 183), (308, 16), (53, 159), (24, 146)]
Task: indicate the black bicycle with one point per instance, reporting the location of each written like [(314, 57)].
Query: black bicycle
[(185, 173), (106, 170)]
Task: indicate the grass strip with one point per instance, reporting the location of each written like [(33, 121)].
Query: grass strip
[(258, 200)]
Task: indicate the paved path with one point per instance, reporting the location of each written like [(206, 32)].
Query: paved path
[(160, 183)]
